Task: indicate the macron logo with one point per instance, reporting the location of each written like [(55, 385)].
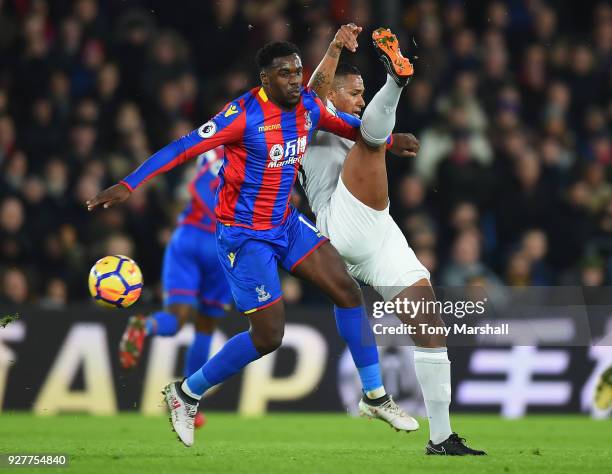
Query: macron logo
[(267, 128)]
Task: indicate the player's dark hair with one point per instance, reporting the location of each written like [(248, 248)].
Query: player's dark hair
[(277, 49), (346, 69)]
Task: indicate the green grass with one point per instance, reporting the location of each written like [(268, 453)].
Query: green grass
[(307, 443)]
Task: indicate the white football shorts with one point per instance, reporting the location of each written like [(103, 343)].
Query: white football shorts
[(371, 243)]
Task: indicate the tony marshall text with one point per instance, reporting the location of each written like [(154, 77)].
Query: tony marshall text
[(456, 328)]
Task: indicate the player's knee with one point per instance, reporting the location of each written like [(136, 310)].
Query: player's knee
[(268, 343), (423, 336), (183, 313), (205, 324), (349, 293), (269, 340)]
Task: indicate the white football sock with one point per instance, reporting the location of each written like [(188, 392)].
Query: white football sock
[(433, 373), (379, 116)]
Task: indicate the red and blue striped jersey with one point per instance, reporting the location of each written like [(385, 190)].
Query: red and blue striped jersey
[(200, 211), (263, 144)]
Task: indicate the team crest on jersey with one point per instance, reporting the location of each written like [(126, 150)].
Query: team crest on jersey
[(308, 122), (232, 257), (276, 152), (208, 129), (262, 294)]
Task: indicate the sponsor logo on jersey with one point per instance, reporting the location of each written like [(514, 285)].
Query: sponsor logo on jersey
[(262, 294), (291, 161), (276, 152), (268, 128), (290, 155), (208, 129), (231, 110)]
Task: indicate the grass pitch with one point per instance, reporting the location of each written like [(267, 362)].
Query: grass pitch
[(306, 443)]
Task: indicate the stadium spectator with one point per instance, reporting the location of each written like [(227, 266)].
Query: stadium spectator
[(511, 103), (15, 245), (56, 295), (534, 247), (592, 272), (15, 287), (465, 262)]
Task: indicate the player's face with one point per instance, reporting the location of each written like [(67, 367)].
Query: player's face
[(347, 94), (283, 80)]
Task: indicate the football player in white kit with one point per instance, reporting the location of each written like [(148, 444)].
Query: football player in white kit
[(347, 188)]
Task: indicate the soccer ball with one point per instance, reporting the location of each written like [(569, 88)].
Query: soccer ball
[(115, 281)]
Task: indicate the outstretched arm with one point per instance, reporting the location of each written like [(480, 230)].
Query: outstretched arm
[(323, 75), (338, 123), (225, 128)]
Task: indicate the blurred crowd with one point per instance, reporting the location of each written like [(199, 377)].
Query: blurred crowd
[(511, 101)]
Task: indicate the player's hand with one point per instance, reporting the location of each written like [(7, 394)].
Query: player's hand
[(109, 197), (405, 145), (346, 37)]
